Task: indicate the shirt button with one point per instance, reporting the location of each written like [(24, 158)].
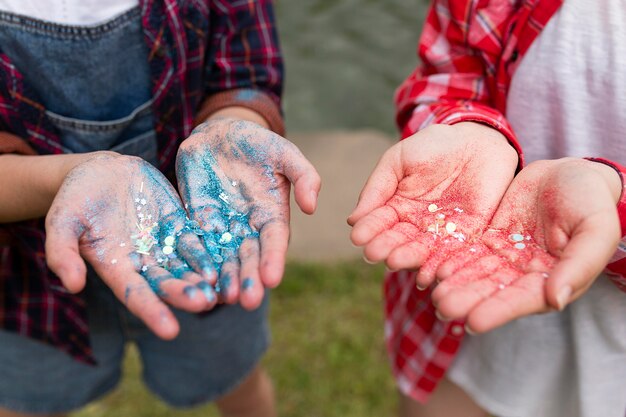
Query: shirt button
[(457, 330)]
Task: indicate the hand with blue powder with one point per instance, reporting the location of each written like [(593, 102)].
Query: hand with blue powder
[(552, 235), (121, 215), (431, 195), (235, 177)]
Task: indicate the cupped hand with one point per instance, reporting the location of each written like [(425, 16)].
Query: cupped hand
[(122, 216), (431, 196), (552, 235), (235, 177)]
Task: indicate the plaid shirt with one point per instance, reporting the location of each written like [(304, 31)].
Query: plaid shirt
[(470, 49), (202, 54)]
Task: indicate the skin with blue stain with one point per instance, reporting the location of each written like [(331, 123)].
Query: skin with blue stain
[(95, 211), (231, 177)]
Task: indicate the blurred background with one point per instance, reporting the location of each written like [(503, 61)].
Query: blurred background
[(344, 59)]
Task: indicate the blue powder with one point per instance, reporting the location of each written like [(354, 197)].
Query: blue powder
[(207, 290), (222, 285), (247, 284), (190, 291), (247, 95)]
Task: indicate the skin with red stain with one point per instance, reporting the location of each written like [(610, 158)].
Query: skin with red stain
[(565, 209), (463, 169)]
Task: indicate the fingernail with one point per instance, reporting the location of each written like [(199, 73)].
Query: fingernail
[(469, 330), (247, 284), (421, 287), (207, 272), (207, 290), (563, 297), (440, 316), (367, 261), (190, 292), (313, 196)]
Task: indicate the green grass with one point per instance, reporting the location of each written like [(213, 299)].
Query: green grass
[(327, 357)]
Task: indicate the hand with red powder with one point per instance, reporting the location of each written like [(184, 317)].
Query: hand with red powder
[(235, 178), (431, 195), (553, 234), (121, 215)]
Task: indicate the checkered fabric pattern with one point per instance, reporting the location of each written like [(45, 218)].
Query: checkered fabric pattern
[(469, 51), (200, 51)]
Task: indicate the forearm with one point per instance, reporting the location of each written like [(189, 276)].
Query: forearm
[(28, 184)]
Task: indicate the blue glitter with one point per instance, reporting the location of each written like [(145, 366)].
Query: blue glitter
[(247, 284), (190, 291), (247, 95), (222, 285), (207, 290)]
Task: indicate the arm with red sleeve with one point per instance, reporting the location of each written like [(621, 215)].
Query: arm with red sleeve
[(455, 81)]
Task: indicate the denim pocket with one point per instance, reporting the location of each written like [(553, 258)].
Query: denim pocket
[(131, 135)]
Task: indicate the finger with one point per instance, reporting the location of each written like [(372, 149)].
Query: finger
[(522, 297), (191, 250), (471, 272), (408, 256), (457, 301), (305, 179), (62, 250), (274, 239), (376, 222), (583, 259), (379, 188), (439, 252), (179, 293), (227, 286), (456, 263), (138, 296), (379, 247), (251, 288)]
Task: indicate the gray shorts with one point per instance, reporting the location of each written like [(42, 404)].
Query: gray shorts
[(212, 354)]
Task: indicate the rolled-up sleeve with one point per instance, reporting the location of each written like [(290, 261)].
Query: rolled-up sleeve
[(244, 63)]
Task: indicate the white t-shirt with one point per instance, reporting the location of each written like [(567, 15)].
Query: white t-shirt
[(69, 12), (567, 98)]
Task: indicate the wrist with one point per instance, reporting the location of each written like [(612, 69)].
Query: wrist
[(240, 113), (611, 175)]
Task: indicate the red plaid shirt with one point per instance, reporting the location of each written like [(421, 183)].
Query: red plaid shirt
[(202, 54), (470, 49)]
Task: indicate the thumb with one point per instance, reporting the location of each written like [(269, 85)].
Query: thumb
[(62, 253), (379, 188), (303, 175), (583, 258)]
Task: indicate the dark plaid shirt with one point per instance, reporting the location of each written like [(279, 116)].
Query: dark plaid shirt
[(198, 50)]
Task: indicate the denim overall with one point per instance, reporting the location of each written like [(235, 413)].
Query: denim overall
[(95, 84), (94, 81)]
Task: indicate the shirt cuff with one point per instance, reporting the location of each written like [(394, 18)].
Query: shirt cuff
[(451, 114), (9, 143), (255, 100)]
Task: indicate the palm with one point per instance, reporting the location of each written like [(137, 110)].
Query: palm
[(235, 179), (551, 227), (430, 198), (123, 217)]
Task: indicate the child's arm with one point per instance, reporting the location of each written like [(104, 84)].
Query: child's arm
[(250, 165), (451, 85), (449, 88), (28, 183)]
